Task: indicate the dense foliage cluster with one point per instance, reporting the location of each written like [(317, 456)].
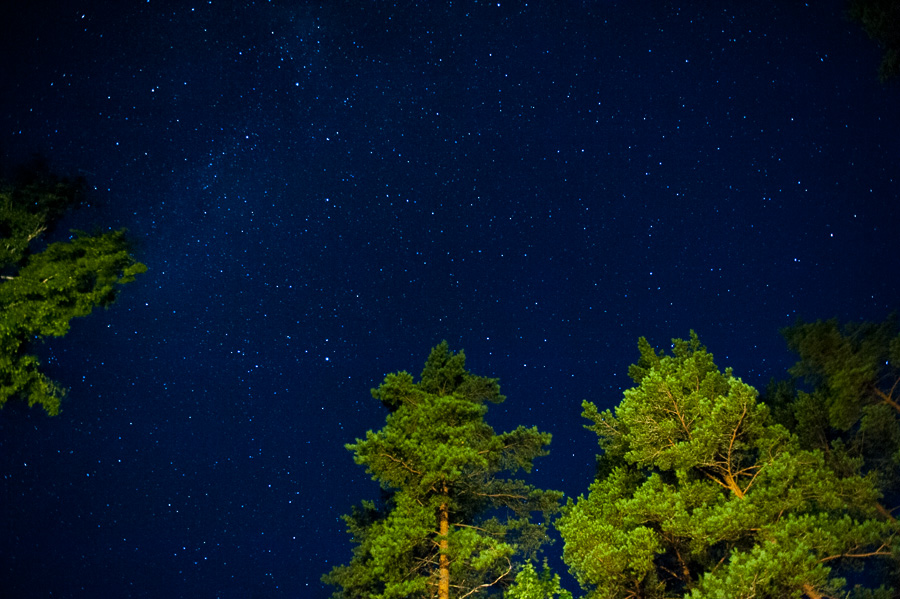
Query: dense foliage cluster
[(704, 494), (43, 288)]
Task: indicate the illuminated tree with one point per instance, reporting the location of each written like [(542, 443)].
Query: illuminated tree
[(452, 523), (531, 585), (42, 291), (703, 495), (844, 400)]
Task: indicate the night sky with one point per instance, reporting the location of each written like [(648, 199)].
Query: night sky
[(322, 192)]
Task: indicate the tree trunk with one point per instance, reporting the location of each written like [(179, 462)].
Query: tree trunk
[(735, 488), (444, 529)]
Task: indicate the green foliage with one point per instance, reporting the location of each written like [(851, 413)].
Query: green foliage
[(881, 21), (436, 455), (852, 412), (41, 292), (843, 400), (30, 206), (704, 495), (531, 585)]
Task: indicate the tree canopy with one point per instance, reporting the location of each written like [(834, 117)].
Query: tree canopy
[(42, 288), (703, 494), (844, 400), (880, 19), (452, 521), (530, 584)]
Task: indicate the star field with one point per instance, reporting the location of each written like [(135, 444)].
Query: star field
[(322, 192)]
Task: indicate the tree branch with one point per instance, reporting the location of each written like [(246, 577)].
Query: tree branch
[(500, 495), (401, 462), (887, 398), (481, 586), (878, 552)]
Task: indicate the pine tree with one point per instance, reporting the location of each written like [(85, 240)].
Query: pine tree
[(703, 495), (531, 585), (844, 400), (451, 523), (42, 291)]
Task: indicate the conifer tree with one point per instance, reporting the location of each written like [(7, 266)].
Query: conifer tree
[(42, 290), (531, 585), (844, 400), (703, 495), (852, 410), (453, 522)]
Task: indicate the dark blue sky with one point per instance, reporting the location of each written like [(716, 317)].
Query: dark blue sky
[(323, 192)]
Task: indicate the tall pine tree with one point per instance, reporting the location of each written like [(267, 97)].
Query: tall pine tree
[(452, 521)]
